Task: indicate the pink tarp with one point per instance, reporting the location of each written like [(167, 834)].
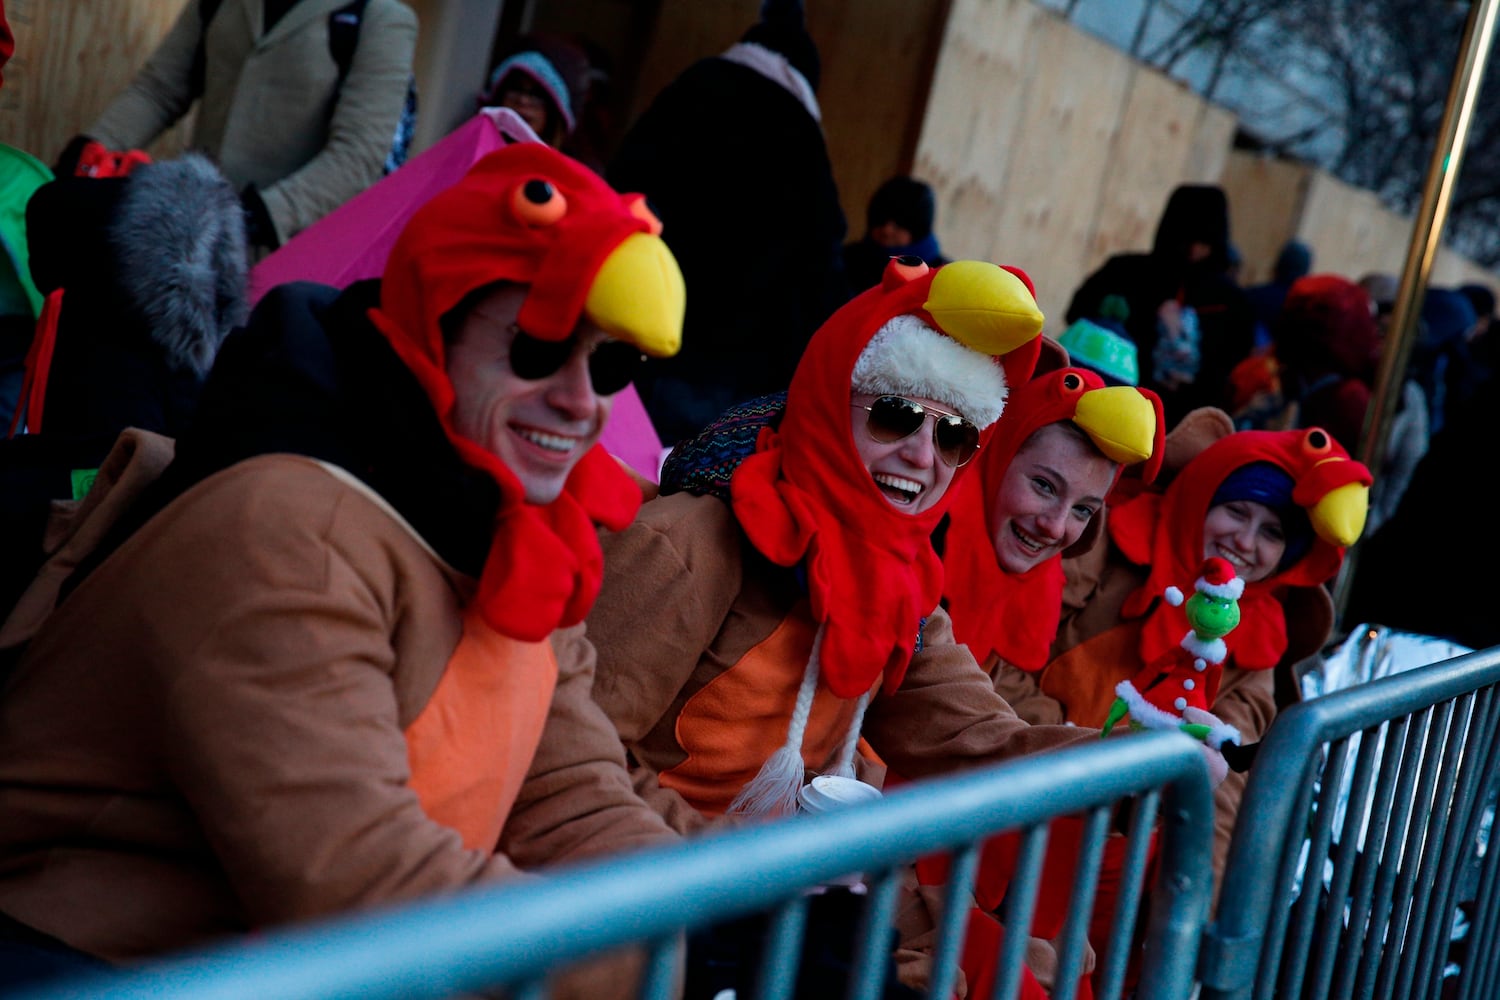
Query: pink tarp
[(351, 243)]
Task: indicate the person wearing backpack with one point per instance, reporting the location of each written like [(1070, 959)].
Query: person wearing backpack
[(299, 101), (1190, 322)]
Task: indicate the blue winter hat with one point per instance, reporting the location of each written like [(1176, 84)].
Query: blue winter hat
[(1269, 484), (540, 69), (1447, 315), (1293, 262)]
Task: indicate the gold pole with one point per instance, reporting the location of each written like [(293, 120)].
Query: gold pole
[(1442, 173)]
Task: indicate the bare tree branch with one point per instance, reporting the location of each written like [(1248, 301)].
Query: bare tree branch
[(1360, 86)]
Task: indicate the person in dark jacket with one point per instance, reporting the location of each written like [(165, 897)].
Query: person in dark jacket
[(1190, 322), (1441, 350), (145, 276), (1293, 262), (1404, 581), (732, 158), (898, 223)]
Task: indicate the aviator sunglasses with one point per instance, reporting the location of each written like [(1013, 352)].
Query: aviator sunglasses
[(893, 418), (612, 363)]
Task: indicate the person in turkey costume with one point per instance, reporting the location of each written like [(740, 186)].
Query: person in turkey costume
[(1279, 507), (1038, 491), (345, 665), (747, 641)]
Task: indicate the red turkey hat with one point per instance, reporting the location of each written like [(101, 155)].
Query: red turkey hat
[(531, 215), (959, 335), (805, 496), (1016, 615), (1164, 532)]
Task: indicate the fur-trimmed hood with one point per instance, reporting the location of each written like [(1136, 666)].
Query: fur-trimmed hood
[(165, 243)]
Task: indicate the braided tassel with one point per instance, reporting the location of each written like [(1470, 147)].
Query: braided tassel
[(845, 766), (773, 791)]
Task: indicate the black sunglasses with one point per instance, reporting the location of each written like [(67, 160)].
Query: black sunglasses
[(612, 363), (893, 418)]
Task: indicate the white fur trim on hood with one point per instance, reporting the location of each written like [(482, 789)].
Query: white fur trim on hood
[(906, 357)]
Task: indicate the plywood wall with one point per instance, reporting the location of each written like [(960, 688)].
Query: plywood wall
[(877, 60), (1047, 148), (72, 57), (1267, 201), (1166, 136), (974, 118), (1352, 234), (1052, 150)]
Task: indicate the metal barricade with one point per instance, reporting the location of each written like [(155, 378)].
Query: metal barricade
[(514, 935), (1360, 852)]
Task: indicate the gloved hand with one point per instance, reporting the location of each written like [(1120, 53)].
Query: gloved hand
[(260, 231), (1041, 959), (1219, 733)]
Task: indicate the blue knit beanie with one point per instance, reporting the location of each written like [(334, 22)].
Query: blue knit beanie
[(1269, 484)]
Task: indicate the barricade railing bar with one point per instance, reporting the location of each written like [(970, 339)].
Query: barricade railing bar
[(1359, 852), (517, 935)]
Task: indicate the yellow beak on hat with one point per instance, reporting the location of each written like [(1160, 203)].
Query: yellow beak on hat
[(1339, 517), (638, 296), (983, 306), (1120, 421)]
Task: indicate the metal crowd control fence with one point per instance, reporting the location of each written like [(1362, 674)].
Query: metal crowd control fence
[(515, 935), (1370, 880)]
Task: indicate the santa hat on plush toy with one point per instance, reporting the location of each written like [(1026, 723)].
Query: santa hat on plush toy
[(1217, 579)]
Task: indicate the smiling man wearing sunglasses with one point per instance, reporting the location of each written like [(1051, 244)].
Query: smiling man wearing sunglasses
[(538, 405), (344, 663)]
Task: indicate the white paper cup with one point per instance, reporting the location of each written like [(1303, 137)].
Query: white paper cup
[(830, 792)]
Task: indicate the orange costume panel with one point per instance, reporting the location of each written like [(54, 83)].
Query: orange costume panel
[(733, 724), (702, 645), (1083, 679), (471, 746)]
